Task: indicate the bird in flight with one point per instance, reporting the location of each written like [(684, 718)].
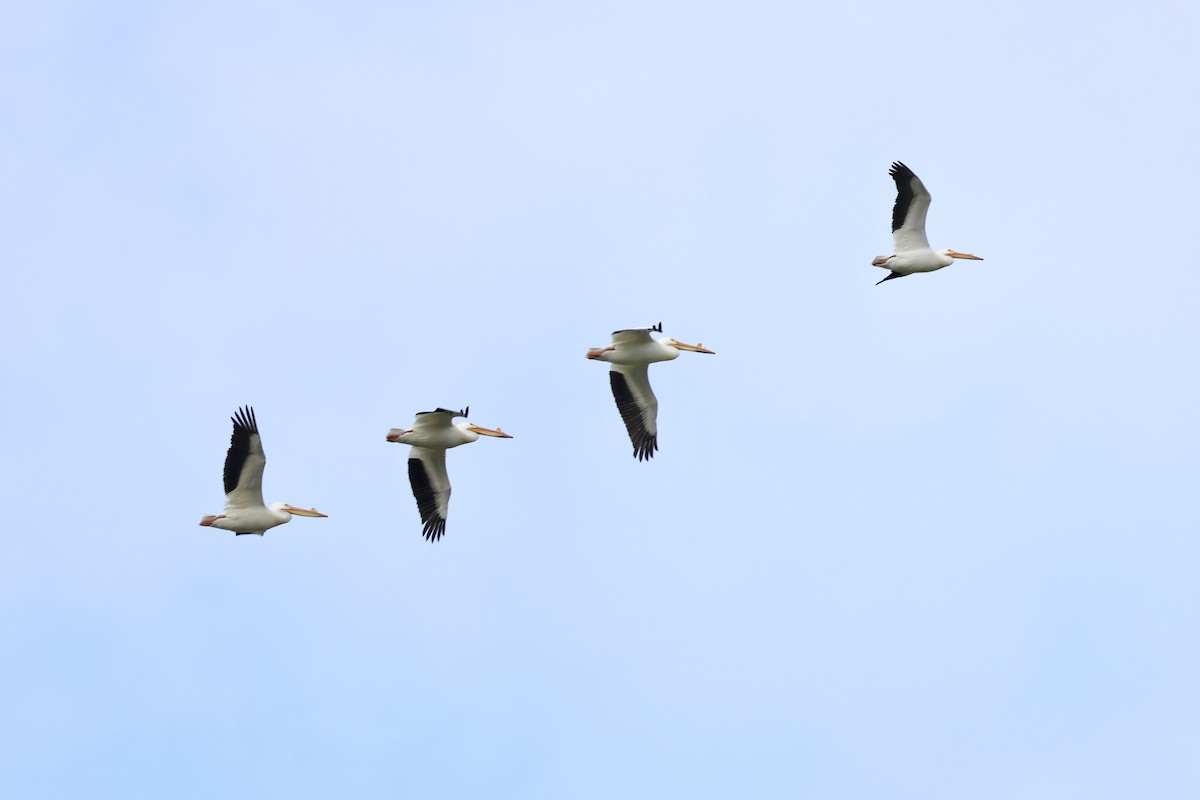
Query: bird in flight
[(245, 511), (432, 434), (913, 253), (631, 353)]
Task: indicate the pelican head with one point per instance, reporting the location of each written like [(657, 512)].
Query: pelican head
[(956, 254), (471, 431), (298, 512), (473, 428)]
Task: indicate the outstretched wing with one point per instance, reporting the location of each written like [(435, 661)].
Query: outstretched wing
[(438, 418), (638, 406), (635, 335), (244, 462), (908, 215), (431, 488)]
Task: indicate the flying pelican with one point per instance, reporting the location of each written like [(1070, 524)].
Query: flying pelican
[(432, 434), (631, 353), (244, 510), (913, 253)]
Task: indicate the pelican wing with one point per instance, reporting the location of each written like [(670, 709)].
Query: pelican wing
[(438, 418), (638, 406), (431, 488), (908, 215), (635, 335), (244, 462)]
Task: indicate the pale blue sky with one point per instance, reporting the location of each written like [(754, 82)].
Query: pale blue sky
[(932, 539)]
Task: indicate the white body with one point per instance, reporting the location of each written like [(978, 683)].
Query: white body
[(636, 348), (434, 431), (923, 260), (251, 518)]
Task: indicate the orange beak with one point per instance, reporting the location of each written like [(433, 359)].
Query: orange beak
[(303, 512), (489, 432), (692, 348)]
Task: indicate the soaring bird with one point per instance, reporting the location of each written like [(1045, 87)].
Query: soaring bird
[(913, 253), (432, 434), (631, 353), (244, 509)]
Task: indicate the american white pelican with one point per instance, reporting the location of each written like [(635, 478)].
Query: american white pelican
[(432, 434), (913, 253), (631, 353), (244, 509)]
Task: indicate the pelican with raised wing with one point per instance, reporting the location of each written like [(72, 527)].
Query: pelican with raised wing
[(913, 253), (432, 434), (631, 353), (245, 511)]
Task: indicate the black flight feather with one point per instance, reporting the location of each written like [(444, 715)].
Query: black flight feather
[(433, 524), (644, 443), (466, 412), (244, 426), (653, 329), (904, 193)]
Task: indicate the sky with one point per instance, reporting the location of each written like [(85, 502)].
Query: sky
[(930, 539)]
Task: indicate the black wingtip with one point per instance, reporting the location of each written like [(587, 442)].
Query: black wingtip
[(645, 451), (657, 328), (891, 276), (244, 418), (432, 524), (434, 530), (644, 442), (904, 178)]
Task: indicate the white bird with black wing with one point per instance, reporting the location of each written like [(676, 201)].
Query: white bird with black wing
[(631, 353), (245, 511), (913, 253), (432, 434)]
